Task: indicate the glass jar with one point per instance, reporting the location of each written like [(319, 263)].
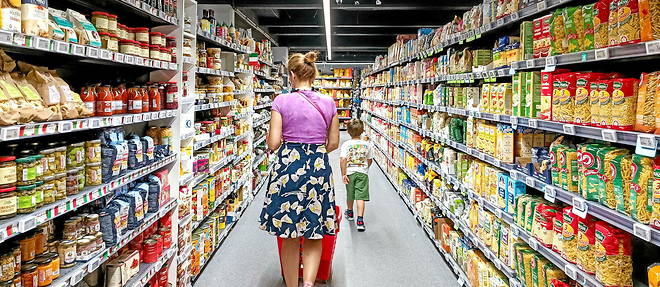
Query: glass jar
[(27, 248), (144, 50), (52, 246), (26, 171), (72, 182), (38, 166), (7, 202), (154, 52), (83, 249), (128, 47), (104, 99), (134, 101), (165, 55), (29, 275), (44, 271), (7, 266), (48, 189), (54, 264), (70, 230), (170, 42), (26, 201), (48, 161), (157, 38), (122, 31), (93, 174), (92, 224), (75, 155), (80, 173), (145, 99), (100, 21), (109, 41), (60, 159), (112, 24), (7, 171), (93, 151), (141, 34), (60, 186), (18, 255), (131, 34), (154, 98), (67, 252), (38, 194), (99, 240), (40, 237)]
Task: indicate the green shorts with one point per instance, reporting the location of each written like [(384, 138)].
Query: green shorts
[(357, 187)]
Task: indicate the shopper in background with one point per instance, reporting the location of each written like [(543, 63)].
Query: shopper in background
[(300, 198), (356, 158)]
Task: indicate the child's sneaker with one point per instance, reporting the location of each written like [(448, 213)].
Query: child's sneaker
[(360, 224), (349, 214)]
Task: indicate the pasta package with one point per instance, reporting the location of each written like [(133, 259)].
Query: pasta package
[(542, 227), (655, 216), (611, 168), (645, 113), (583, 96), (623, 103), (601, 25), (641, 188), (546, 99), (649, 20), (569, 235), (569, 169), (604, 103), (613, 24), (34, 17), (621, 166), (589, 178), (573, 28), (11, 15), (613, 250), (558, 226), (628, 18), (532, 94), (559, 43), (539, 263), (594, 103), (585, 242), (552, 274), (587, 27)]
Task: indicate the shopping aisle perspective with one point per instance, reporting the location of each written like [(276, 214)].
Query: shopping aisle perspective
[(394, 251)]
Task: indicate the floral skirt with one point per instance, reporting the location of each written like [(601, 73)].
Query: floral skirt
[(300, 199)]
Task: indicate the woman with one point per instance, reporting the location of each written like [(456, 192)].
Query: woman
[(300, 199)]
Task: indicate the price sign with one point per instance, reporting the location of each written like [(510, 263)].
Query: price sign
[(116, 121), (27, 224), (93, 264), (500, 22), (571, 271), (137, 118), (128, 120), (530, 181), (139, 61), (41, 43), (533, 123), (529, 63), (580, 207), (602, 54), (496, 117), (119, 57), (514, 16), (78, 50), (609, 135), (146, 117), (652, 47), (646, 145), (128, 59), (549, 193), (61, 47), (642, 231), (515, 231), (550, 61), (6, 37), (533, 243), (65, 126), (76, 278), (541, 5), (569, 129), (92, 52)]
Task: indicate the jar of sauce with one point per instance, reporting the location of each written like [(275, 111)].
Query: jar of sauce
[(26, 171), (7, 202), (54, 264), (112, 24), (89, 99), (104, 101), (28, 248), (141, 34), (154, 52), (171, 101), (29, 275), (145, 99), (7, 171), (144, 50), (100, 21), (134, 101), (38, 194), (44, 271), (154, 98), (67, 252)]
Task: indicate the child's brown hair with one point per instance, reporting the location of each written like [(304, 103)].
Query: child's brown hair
[(355, 127)]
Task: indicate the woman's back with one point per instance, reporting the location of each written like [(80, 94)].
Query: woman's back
[(301, 120)]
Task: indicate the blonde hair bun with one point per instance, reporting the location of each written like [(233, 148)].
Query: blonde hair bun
[(311, 56)]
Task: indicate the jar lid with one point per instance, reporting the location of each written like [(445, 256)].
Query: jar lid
[(104, 34), (28, 267), (144, 44), (76, 144), (43, 260), (93, 141), (141, 29), (28, 159), (67, 242), (170, 37), (113, 35), (83, 241), (7, 189), (112, 15), (25, 187), (156, 33), (99, 13)]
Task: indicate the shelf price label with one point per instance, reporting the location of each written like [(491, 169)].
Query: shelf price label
[(541, 5), (533, 123), (569, 129), (602, 54), (6, 37), (530, 63), (78, 50), (646, 145), (61, 47), (92, 52), (514, 16), (652, 47), (580, 207), (609, 135), (642, 231), (549, 193)]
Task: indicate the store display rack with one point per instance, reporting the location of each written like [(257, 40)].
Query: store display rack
[(204, 107), (550, 191), (213, 72), (242, 181), (264, 91), (263, 106), (137, 8), (260, 141), (223, 43), (201, 144)]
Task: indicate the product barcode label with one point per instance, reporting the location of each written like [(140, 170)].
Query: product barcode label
[(6, 37), (27, 224), (41, 43), (571, 271), (646, 145), (128, 120), (78, 50), (609, 135), (119, 57), (541, 5), (530, 181), (533, 123), (514, 16), (530, 63), (10, 133), (64, 127), (61, 47), (128, 59), (139, 61), (652, 47), (76, 278)]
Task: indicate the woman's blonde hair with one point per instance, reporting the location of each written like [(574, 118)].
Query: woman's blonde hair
[(304, 66)]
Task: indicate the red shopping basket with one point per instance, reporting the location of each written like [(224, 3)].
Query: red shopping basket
[(328, 244)]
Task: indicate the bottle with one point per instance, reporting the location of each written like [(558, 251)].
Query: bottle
[(134, 101), (116, 101), (104, 100), (145, 99), (204, 23), (212, 21), (89, 99), (154, 98)]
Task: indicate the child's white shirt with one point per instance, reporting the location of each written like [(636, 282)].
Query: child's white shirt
[(356, 153)]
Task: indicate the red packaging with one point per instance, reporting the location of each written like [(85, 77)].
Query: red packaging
[(537, 36), (582, 112), (547, 79), (601, 22), (166, 234), (166, 221), (623, 103), (569, 234), (545, 35), (162, 275), (628, 18), (163, 176), (150, 251), (557, 225), (154, 282), (543, 217), (159, 243)]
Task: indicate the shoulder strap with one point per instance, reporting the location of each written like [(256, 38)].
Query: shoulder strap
[(318, 109)]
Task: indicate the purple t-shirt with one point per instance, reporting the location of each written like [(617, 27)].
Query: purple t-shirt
[(301, 122)]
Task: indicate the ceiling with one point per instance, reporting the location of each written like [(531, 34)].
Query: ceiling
[(361, 30)]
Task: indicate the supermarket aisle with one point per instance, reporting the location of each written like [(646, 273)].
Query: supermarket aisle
[(393, 251)]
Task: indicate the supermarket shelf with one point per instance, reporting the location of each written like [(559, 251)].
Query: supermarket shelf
[(201, 144), (463, 78), (333, 88), (242, 71), (388, 102), (198, 178), (136, 9), (25, 131), (264, 90), (260, 141), (186, 178), (269, 64), (218, 41), (185, 220), (334, 78), (26, 222), (148, 270), (630, 51), (242, 136), (631, 138), (263, 106), (32, 45), (72, 276), (262, 122), (459, 38), (261, 158), (213, 72), (188, 35), (204, 107), (262, 182), (552, 192), (242, 156), (263, 75)]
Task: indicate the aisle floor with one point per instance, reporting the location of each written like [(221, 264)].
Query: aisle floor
[(394, 251)]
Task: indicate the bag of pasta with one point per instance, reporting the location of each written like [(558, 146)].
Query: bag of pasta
[(527, 256), (613, 250), (585, 242), (553, 273), (601, 17), (649, 18), (613, 24), (72, 104), (559, 43), (569, 234), (588, 16), (573, 27), (641, 188), (623, 103), (621, 168), (588, 171), (539, 265), (32, 106), (569, 169), (542, 228), (655, 216), (628, 17), (554, 159), (605, 157), (557, 228), (645, 113), (530, 210)]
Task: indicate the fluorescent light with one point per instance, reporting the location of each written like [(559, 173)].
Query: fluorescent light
[(326, 18)]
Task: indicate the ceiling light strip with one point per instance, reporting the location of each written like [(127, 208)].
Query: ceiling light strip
[(326, 18)]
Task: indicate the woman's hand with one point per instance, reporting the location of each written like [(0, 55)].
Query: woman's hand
[(345, 179)]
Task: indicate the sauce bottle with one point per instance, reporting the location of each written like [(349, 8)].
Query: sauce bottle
[(134, 101), (145, 99), (104, 101), (89, 99), (154, 98)]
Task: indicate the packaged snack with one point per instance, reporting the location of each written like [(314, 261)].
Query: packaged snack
[(645, 113), (60, 19), (573, 27), (655, 216), (649, 18), (87, 34), (34, 17), (11, 15), (585, 244)]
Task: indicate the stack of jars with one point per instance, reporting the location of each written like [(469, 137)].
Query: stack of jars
[(105, 100)]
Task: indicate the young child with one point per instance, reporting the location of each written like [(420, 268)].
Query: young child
[(356, 159)]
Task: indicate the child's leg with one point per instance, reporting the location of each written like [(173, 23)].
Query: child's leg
[(361, 191), (360, 208), (350, 192)]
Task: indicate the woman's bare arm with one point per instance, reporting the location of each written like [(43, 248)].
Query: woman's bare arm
[(333, 135), (274, 136)]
